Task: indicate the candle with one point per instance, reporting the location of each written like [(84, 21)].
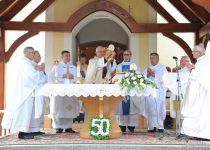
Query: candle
[(78, 72), (56, 71)]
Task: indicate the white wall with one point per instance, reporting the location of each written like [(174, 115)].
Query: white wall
[(165, 46), (38, 42)]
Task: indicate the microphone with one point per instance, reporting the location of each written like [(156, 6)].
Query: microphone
[(175, 58)]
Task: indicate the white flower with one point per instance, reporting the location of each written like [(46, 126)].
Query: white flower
[(132, 74), (133, 78), (142, 84), (135, 83), (127, 80), (139, 76), (133, 66), (141, 80), (127, 74)]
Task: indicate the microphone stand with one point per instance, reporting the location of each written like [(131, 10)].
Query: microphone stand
[(179, 97)]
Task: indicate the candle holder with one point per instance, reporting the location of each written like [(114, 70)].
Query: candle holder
[(56, 71), (78, 73)]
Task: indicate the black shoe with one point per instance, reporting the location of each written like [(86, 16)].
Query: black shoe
[(59, 130), (25, 136), (152, 131), (70, 130), (74, 120), (123, 128), (131, 129), (160, 130), (200, 139), (38, 133)]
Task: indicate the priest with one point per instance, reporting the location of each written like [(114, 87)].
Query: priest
[(196, 102), (19, 117), (184, 70), (154, 108), (128, 109), (39, 105), (64, 108), (99, 69)]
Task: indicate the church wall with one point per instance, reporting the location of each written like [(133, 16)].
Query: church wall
[(139, 43), (138, 9)]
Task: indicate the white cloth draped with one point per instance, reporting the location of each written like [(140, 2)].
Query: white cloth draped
[(18, 115), (196, 102), (154, 108), (93, 90)]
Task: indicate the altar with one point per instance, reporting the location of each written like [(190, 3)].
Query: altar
[(99, 100)]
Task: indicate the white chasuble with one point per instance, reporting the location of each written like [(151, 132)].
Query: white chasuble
[(18, 116), (195, 109)]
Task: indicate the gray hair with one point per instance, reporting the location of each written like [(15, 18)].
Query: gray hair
[(28, 50), (98, 47), (186, 58), (200, 47)]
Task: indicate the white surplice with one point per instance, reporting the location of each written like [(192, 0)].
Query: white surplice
[(63, 109), (195, 109), (154, 108), (171, 84), (132, 119), (20, 115)]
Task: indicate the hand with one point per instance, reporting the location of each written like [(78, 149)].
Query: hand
[(43, 66), (70, 76), (189, 66), (39, 68), (82, 73), (150, 72)]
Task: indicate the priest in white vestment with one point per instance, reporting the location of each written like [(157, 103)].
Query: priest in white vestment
[(19, 117), (154, 108), (128, 109), (184, 70), (39, 103), (99, 69), (195, 109), (64, 108)]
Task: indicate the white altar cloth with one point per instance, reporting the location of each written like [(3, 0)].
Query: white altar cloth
[(93, 90)]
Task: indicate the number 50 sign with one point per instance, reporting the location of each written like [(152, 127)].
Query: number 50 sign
[(100, 128)]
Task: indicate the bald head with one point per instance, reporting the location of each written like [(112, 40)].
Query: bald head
[(100, 51)]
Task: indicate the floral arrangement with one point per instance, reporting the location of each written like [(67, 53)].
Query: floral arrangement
[(134, 80), (100, 128)]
